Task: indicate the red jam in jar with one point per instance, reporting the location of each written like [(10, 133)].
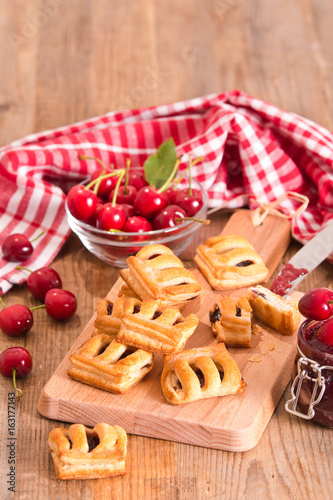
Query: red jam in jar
[(312, 389)]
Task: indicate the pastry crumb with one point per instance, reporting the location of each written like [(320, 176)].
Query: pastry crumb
[(271, 346), (255, 359), (256, 329)]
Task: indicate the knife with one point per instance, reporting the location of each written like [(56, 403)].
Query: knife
[(304, 261)]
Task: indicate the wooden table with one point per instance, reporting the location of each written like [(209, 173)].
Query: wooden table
[(66, 60)]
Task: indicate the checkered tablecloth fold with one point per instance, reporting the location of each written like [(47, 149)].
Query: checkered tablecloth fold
[(252, 151)]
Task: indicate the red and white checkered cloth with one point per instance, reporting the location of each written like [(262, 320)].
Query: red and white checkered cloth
[(249, 147)]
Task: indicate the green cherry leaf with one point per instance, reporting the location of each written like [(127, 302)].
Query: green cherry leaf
[(160, 165)]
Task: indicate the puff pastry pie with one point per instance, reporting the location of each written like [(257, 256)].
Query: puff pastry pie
[(231, 321), (154, 330), (84, 453), (156, 273), (108, 317), (109, 365), (199, 373), (273, 310), (229, 261)]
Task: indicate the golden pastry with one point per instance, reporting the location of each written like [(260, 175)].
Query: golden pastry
[(84, 453), (199, 373), (154, 330), (108, 318), (156, 273), (229, 261), (231, 321), (109, 365), (273, 310)]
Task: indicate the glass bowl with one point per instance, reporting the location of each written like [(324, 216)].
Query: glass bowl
[(115, 248)]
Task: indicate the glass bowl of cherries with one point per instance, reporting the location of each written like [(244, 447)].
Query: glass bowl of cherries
[(118, 211)]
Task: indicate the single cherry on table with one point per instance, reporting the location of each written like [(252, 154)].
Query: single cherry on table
[(42, 280), (15, 362), (60, 304), (16, 320)]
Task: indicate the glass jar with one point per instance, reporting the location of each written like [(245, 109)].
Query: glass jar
[(312, 387)]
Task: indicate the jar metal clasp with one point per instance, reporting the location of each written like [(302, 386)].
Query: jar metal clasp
[(307, 370)]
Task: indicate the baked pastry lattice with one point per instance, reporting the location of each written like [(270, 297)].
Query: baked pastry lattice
[(84, 453), (200, 373), (109, 314), (155, 330), (273, 310), (155, 273), (231, 321), (109, 365), (230, 261)]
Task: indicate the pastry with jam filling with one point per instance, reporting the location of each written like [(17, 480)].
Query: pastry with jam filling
[(230, 261), (231, 321), (105, 363), (155, 273), (108, 315), (152, 329), (84, 453), (275, 311), (199, 373)]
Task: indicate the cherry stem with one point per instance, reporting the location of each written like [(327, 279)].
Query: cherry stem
[(83, 157), (190, 165), (171, 176), (121, 174), (330, 302), (18, 392), (23, 268), (37, 307), (205, 222), (2, 303), (128, 164), (36, 237), (99, 179)]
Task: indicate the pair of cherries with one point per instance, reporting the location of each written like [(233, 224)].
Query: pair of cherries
[(133, 207), (317, 305), (45, 284)]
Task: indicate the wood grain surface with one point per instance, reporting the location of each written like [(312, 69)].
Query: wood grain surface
[(66, 60)]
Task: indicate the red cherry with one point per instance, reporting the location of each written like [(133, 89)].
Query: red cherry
[(16, 248), (191, 203), (137, 179), (317, 304), (129, 210), (42, 280), (81, 202), (15, 362), (168, 217), (110, 216), (60, 304), (93, 218), (15, 358), (16, 320), (137, 224), (106, 185), (148, 201), (172, 195), (325, 332), (126, 194)]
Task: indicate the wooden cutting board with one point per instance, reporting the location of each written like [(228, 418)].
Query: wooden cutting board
[(233, 423)]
